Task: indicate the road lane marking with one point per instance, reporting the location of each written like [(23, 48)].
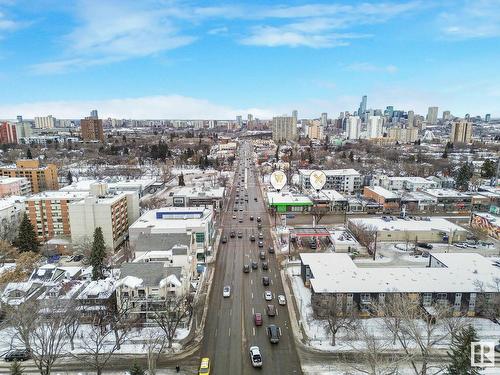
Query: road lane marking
[(253, 311), (229, 331), (277, 312), (216, 331), (252, 295), (253, 329), (230, 312), (251, 282)]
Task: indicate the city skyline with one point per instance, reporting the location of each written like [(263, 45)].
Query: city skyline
[(185, 60)]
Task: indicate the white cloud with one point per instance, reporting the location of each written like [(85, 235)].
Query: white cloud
[(369, 68), (472, 20), (218, 30), (149, 107)]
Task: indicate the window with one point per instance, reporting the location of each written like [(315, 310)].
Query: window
[(200, 237), (427, 299)]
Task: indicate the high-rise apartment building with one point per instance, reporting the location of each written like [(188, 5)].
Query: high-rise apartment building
[(446, 115), (324, 119), (8, 133), (239, 121), (91, 129), (315, 130), (432, 114), (41, 178), (404, 135), (295, 115), (461, 131), (487, 118), (362, 107), (48, 212), (93, 113), (284, 128), (47, 122), (353, 127), (411, 119), (375, 127), (23, 130), (114, 213)]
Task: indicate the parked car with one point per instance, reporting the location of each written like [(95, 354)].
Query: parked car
[(265, 266), (255, 356), (18, 355), (281, 300), (425, 245), (257, 318), (274, 333), (246, 268), (268, 295), (265, 281), (226, 292), (271, 310)]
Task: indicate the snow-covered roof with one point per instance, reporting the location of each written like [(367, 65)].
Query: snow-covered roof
[(130, 282), (332, 172), (448, 193), (383, 192), (287, 198), (98, 289), (337, 273), (433, 224), (172, 279), (59, 195)]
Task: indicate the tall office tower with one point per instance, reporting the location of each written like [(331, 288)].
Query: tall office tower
[(389, 111), (374, 128), (93, 113), (353, 127), (91, 129), (467, 116), (284, 128), (19, 118), (461, 131), (362, 107), (411, 118), (487, 118), (47, 122), (324, 119), (239, 121), (250, 121), (446, 115), (432, 115), (295, 115)]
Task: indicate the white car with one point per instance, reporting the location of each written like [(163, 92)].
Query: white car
[(255, 356), (234, 217), (268, 295), (226, 292), (281, 300)]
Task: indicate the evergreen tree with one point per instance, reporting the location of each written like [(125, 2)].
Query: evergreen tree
[(464, 174), (181, 180), (28, 154), (26, 239), (69, 177), (136, 369), (351, 156), (277, 155), (97, 255), (16, 369), (488, 169), (445, 154), (461, 352)]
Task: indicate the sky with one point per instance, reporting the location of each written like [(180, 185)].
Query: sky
[(200, 59)]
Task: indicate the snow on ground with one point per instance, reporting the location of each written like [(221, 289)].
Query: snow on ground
[(319, 338), (6, 267)]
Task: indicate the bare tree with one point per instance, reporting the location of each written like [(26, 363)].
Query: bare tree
[(73, 323), (337, 319), (174, 311), (155, 342), (40, 331), (366, 234), (488, 299), (318, 212), (7, 252), (374, 355)]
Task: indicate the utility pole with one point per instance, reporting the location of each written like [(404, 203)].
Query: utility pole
[(375, 245)]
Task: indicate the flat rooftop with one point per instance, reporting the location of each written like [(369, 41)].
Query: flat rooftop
[(332, 172), (173, 217), (448, 193), (287, 198), (200, 192), (379, 190), (337, 273), (59, 195), (433, 224)]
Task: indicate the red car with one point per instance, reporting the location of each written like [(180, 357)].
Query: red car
[(257, 318)]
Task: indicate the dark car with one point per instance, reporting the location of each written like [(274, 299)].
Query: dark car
[(224, 239), (240, 235), (271, 249), (255, 199), (232, 234), (18, 355), (265, 266), (266, 281), (259, 219), (251, 218), (271, 310), (246, 268), (274, 333), (425, 245), (254, 265)]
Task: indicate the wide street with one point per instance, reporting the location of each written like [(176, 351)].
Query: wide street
[(230, 330)]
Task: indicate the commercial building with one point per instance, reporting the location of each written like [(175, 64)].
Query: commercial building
[(432, 229), (197, 222), (8, 133), (47, 122), (284, 129), (287, 202), (454, 281), (432, 114), (91, 129), (14, 186), (141, 186), (342, 180), (389, 200), (353, 127), (450, 199), (40, 178), (362, 107), (189, 196), (461, 131), (485, 222), (49, 213), (113, 212), (404, 183)]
